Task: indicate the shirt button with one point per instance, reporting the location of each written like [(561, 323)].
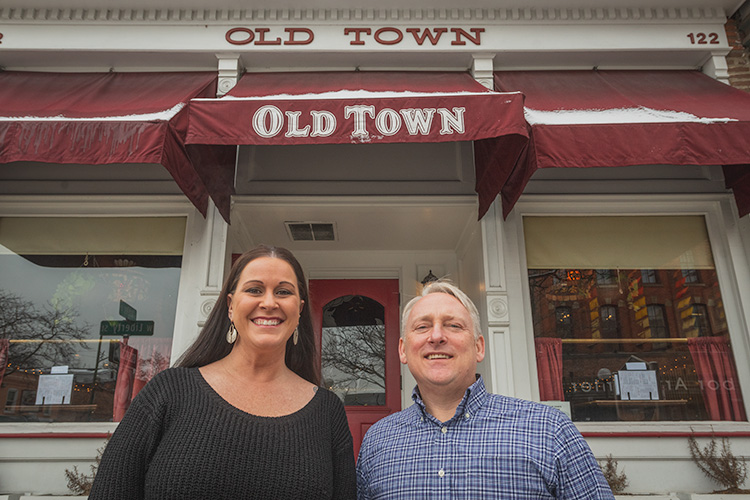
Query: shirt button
[(441, 473), (467, 415), (444, 430)]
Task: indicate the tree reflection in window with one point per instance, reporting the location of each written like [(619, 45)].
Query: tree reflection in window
[(353, 350)]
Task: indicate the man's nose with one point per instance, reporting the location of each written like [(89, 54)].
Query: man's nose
[(437, 334)]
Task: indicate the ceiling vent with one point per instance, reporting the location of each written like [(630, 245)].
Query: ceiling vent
[(311, 231)]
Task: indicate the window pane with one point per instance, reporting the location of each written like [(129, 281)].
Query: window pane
[(608, 318), (648, 276), (632, 352), (564, 322), (606, 277), (353, 350), (61, 308)]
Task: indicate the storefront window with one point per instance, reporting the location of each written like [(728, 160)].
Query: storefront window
[(87, 310), (629, 320)]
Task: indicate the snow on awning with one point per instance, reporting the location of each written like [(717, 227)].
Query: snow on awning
[(365, 108), (621, 118), (106, 118)]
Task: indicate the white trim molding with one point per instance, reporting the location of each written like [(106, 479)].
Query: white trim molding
[(231, 15)]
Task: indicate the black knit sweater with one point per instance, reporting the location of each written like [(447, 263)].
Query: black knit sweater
[(180, 440)]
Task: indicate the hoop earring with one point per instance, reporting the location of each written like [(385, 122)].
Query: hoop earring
[(232, 333), (295, 337)]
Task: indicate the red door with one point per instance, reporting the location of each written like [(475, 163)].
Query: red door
[(357, 323)]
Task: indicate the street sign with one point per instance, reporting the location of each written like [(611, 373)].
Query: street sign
[(127, 311), (126, 328)]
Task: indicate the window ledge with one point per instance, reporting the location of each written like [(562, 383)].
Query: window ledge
[(56, 429), (663, 429)]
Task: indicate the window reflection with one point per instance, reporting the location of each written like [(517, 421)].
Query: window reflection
[(625, 342), (353, 350), (61, 365), (608, 318), (598, 342), (564, 322)]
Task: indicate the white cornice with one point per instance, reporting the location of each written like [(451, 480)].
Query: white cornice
[(235, 16)]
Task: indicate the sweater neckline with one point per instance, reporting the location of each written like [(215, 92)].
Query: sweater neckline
[(220, 401)]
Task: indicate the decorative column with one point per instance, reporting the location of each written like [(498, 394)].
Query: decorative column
[(498, 315), (203, 264)]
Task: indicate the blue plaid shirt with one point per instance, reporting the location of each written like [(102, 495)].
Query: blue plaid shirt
[(493, 447)]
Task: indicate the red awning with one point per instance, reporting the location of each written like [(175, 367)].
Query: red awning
[(104, 118), (366, 108), (621, 118)]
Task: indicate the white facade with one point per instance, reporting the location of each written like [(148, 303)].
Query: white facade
[(403, 212)]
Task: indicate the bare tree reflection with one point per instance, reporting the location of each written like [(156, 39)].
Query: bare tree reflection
[(356, 353), (21, 320)]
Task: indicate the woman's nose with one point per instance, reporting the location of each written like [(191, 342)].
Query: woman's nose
[(268, 300)]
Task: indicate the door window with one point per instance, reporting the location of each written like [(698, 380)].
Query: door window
[(353, 350)]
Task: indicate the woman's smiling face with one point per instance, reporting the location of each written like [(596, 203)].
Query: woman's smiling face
[(266, 305)]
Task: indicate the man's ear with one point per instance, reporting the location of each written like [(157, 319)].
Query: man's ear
[(480, 348), (401, 351)]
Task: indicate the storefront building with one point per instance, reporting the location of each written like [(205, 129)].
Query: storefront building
[(582, 172)]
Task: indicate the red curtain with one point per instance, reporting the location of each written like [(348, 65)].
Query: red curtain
[(154, 354), (549, 368), (718, 377), (4, 347), (125, 381)]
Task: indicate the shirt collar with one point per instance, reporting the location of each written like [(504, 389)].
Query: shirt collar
[(469, 405)]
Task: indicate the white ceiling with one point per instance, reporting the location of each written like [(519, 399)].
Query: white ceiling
[(372, 223)]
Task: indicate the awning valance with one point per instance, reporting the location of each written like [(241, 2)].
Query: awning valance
[(365, 108), (105, 118), (621, 118)]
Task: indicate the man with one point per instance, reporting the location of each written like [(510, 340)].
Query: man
[(460, 442)]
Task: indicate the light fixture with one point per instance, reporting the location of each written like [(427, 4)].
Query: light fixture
[(428, 278)]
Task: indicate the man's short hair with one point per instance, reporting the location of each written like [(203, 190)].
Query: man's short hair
[(444, 286)]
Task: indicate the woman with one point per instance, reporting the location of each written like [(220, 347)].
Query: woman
[(242, 416)]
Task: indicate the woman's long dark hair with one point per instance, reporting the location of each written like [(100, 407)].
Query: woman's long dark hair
[(211, 344)]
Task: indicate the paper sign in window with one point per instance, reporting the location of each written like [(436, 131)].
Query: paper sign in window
[(54, 389), (638, 385)]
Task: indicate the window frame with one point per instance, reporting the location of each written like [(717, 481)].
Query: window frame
[(615, 315), (728, 250), (566, 325), (665, 322), (83, 206)]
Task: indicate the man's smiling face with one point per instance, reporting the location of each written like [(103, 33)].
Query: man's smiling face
[(438, 343)]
